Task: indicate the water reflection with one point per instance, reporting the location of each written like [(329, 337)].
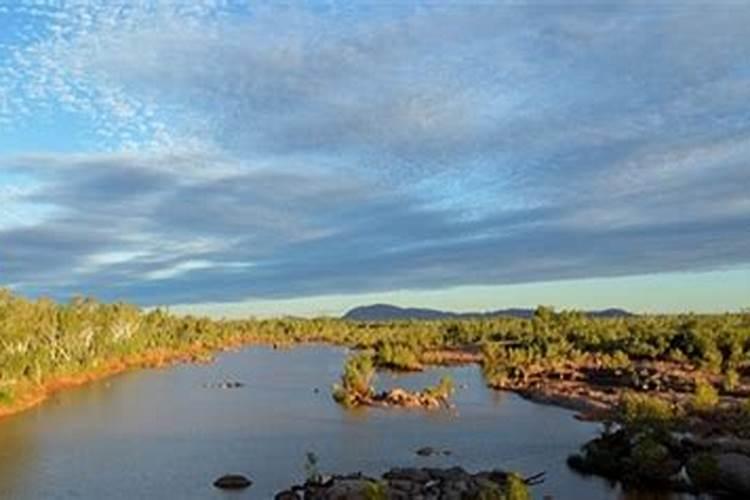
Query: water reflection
[(164, 434)]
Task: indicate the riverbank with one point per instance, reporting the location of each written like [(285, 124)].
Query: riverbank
[(567, 358), (587, 388), (27, 397)]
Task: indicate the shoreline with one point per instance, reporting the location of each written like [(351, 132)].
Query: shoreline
[(588, 400)]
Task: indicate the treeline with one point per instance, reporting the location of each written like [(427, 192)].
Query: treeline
[(41, 340)]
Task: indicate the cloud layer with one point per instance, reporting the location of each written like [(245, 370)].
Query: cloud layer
[(273, 153)]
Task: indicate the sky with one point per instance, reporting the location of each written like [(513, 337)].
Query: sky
[(236, 158)]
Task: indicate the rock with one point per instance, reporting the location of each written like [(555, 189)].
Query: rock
[(426, 451), (406, 484), (287, 495), (451, 474), (408, 474), (232, 482), (734, 472), (351, 489), (723, 471), (652, 461)]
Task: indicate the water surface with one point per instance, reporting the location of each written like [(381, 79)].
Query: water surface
[(164, 434)]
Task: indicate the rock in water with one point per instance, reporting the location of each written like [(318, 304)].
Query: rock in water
[(426, 451), (232, 482), (287, 495)]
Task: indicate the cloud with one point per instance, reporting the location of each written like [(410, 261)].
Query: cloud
[(289, 152)]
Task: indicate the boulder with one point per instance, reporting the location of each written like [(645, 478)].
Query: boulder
[(232, 482), (734, 472), (287, 495), (351, 489), (720, 471)]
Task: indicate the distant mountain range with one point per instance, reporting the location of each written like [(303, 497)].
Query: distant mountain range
[(388, 312)]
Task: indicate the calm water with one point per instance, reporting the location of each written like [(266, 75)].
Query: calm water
[(163, 434)]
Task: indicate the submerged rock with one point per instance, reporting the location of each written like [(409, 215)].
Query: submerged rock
[(225, 385), (233, 482)]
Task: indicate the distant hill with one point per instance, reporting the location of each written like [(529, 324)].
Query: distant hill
[(388, 312)]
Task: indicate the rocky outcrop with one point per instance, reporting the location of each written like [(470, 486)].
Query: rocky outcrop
[(407, 399), (652, 458), (398, 398), (408, 483)]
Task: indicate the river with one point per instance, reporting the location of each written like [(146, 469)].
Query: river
[(168, 433)]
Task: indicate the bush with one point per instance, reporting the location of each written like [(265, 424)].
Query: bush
[(731, 380), (443, 390), (397, 356), (638, 411), (356, 380), (705, 398), (516, 488), (6, 396)]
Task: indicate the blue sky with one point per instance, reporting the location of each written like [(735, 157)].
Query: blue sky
[(226, 158)]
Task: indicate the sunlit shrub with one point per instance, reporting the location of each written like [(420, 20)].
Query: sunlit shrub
[(705, 397), (638, 411)]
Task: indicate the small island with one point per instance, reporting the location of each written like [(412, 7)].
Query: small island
[(355, 389)]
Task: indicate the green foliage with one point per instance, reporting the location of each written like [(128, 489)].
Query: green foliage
[(6, 396), (41, 340), (731, 380), (356, 379), (705, 397), (640, 411), (516, 489), (375, 491), (398, 357), (444, 389)]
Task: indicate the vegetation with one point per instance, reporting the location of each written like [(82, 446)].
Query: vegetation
[(397, 357), (443, 390), (356, 380), (44, 344), (638, 411), (706, 397)]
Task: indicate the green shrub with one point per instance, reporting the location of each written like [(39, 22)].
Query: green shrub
[(731, 380), (6, 396), (516, 488), (375, 491), (356, 380), (638, 411), (397, 356), (705, 397), (444, 389)]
